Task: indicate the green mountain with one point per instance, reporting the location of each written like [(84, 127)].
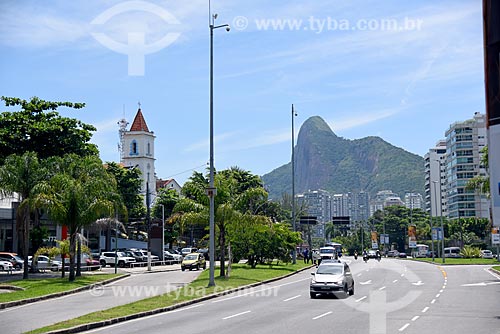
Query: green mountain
[(325, 161)]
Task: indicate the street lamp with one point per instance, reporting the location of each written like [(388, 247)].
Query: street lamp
[(441, 218), (294, 253), (211, 190), (162, 233)]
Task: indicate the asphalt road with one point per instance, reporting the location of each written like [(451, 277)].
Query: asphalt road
[(391, 296), (139, 285)]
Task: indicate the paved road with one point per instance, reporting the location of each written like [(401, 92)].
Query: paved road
[(139, 285), (391, 296)]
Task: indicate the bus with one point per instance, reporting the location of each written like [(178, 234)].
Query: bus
[(452, 252), (336, 246)]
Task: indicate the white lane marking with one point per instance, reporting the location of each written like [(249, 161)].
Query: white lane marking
[(367, 282), (322, 315), (360, 299), (257, 291), (440, 290), (492, 273), (402, 275), (382, 288), (444, 286), (425, 309), (236, 315), (404, 327), (418, 283), (359, 275), (394, 281), (437, 296), (297, 296), (415, 318), (433, 301)]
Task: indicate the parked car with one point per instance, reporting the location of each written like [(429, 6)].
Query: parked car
[(188, 250), (154, 258), (44, 263), (135, 254), (172, 256), (16, 260), (486, 254), (122, 260), (392, 253), (330, 278), (193, 261), (90, 263), (402, 255), (6, 265)]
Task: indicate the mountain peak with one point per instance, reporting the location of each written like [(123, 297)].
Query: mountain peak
[(326, 161)]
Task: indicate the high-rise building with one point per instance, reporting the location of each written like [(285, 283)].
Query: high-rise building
[(435, 180), (414, 201), (464, 141), (382, 199)]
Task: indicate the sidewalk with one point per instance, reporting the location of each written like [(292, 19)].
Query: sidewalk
[(160, 280)]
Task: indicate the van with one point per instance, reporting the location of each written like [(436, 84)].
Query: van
[(453, 252)]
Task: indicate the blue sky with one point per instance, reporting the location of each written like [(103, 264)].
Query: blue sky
[(401, 70)]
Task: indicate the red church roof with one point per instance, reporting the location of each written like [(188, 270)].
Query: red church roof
[(139, 123)]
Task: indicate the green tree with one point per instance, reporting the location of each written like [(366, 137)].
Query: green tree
[(20, 174), (481, 183), (39, 128), (128, 180), (78, 196)]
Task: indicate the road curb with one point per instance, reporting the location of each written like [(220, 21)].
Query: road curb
[(104, 323), (59, 294)]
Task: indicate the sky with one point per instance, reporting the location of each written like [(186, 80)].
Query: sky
[(401, 70)]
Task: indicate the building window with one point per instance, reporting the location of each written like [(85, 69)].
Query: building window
[(133, 148), (149, 149)]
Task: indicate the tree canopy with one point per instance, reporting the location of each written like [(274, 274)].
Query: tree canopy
[(38, 127)]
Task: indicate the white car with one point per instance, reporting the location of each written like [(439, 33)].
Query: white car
[(43, 263), (486, 254), (6, 265), (172, 256)]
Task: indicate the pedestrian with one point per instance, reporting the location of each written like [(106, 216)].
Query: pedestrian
[(306, 255)]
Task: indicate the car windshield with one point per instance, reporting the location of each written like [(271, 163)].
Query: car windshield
[(329, 270), (191, 257), (326, 251), (17, 258)]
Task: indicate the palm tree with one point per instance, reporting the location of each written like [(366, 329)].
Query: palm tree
[(80, 194), (20, 174)]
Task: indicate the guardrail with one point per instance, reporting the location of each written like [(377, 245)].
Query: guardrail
[(154, 263)]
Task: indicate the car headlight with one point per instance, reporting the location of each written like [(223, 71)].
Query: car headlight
[(338, 282)]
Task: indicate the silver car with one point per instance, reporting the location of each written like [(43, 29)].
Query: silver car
[(330, 278)]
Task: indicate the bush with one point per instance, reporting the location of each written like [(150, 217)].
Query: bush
[(470, 252)]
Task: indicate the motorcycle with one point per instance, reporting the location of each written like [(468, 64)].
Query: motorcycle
[(355, 256), (365, 258)]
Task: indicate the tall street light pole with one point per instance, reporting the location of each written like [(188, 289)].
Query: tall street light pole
[(211, 190), (294, 253), (162, 233)]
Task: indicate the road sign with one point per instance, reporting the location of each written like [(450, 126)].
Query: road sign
[(495, 236), (384, 239), (437, 234)]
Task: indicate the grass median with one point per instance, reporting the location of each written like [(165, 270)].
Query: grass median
[(457, 261), (37, 287), (241, 275)]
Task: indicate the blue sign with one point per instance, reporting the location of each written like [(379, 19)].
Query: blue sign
[(437, 233)]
